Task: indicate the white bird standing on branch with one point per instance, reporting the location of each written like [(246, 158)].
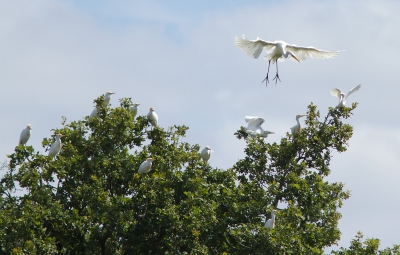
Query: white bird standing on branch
[(25, 134), (206, 153), (297, 128), (145, 167), (152, 117), (106, 102), (134, 109), (271, 222), (254, 126), (342, 96), (278, 50), (56, 146)]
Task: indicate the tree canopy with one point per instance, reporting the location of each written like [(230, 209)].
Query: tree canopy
[(90, 199)]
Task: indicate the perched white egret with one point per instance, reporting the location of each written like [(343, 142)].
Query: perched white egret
[(271, 222), (25, 134), (254, 126), (296, 129), (145, 167), (134, 109), (56, 146), (342, 96), (152, 117), (106, 102), (107, 97), (278, 50), (206, 153)]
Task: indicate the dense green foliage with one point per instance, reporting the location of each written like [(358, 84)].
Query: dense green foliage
[(91, 200)]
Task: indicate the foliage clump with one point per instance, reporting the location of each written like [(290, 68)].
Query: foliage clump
[(91, 200)]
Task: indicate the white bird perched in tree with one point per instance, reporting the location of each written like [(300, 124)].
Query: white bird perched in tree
[(145, 167), (297, 128), (271, 222), (254, 126), (206, 153), (278, 50), (25, 134), (152, 117), (106, 102), (56, 146), (134, 109), (342, 96)]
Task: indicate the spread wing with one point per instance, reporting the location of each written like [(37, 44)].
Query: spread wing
[(353, 90), (336, 92), (303, 53), (254, 48), (254, 123)]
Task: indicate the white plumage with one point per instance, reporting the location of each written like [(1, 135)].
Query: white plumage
[(278, 50), (134, 109), (145, 167), (254, 126), (56, 146), (106, 102), (206, 153), (271, 222), (152, 117), (296, 129), (342, 96), (25, 134), (260, 132)]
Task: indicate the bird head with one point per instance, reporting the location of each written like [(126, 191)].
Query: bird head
[(274, 211), (293, 56), (150, 159), (137, 104), (298, 116), (108, 93), (29, 126), (151, 109)]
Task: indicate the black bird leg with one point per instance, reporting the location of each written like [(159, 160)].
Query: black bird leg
[(277, 75), (266, 78)]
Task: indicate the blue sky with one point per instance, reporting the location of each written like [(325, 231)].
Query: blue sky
[(58, 56)]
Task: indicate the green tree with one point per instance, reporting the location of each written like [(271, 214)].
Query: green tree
[(91, 200), (368, 247)]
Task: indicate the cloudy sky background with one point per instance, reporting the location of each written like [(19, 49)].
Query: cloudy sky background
[(178, 56)]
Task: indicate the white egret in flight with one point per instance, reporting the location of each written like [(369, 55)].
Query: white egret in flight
[(297, 128), (254, 126), (206, 153), (152, 117), (342, 96), (56, 146), (278, 50), (271, 222), (25, 134), (106, 102), (145, 167), (134, 109)]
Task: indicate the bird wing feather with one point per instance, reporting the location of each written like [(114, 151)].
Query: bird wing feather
[(336, 92), (250, 118), (303, 53), (254, 48), (255, 124), (352, 91)]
